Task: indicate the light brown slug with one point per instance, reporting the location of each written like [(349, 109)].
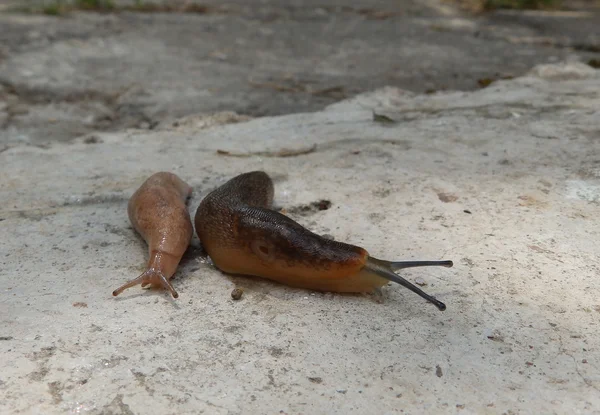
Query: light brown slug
[(243, 235), (158, 212)]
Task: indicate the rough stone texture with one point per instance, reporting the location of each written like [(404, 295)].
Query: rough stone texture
[(505, 181), (61, 77)]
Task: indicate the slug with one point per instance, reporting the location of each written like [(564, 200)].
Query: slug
[(158, 212), (243, 235)]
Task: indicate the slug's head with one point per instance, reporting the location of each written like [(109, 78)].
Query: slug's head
[(151, 276)]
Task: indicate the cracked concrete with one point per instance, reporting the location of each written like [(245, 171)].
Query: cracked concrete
[(505, 181)]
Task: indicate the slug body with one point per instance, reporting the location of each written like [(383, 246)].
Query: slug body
[(158, 212), (243, 235)]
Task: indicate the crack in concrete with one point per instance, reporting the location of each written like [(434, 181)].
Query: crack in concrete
[(576, 366)]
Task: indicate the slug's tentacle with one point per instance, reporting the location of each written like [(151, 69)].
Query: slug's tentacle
[(396, 265), (386, 269), (150, 276)]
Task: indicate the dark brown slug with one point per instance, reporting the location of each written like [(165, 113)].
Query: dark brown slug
[(158, 212), (243, 235)]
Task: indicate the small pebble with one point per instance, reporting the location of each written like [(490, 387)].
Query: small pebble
[(420, 281), (236, 294)]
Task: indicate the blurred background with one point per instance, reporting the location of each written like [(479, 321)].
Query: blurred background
[(71, 67)]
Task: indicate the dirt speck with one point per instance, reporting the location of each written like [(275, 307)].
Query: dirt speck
[(316, 380), (420, 281), (92, 139), (276, 351), (484, 82), (323, 204), (80, 304), (381, 192), (496, 336), (310, 208), (376, 217), (384, 119), (447, 197)]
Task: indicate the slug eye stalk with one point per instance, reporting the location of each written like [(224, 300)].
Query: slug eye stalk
[(386, 270), (150, 276)]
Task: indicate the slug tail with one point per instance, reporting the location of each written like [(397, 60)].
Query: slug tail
[(386, 269), (150, 276)]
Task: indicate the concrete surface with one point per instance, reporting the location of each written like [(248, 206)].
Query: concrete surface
[(61, 77), (505, 181)]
